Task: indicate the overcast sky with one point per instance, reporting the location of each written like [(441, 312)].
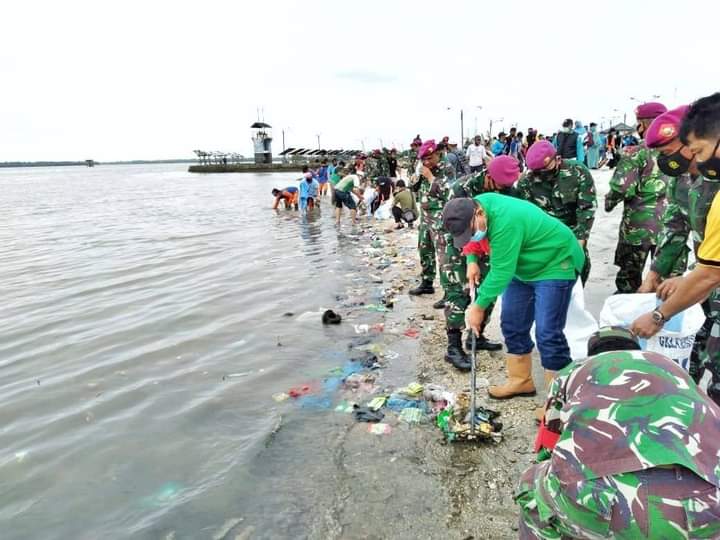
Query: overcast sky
[(157, 79)]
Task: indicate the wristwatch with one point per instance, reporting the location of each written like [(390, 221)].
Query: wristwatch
[(658, 317)]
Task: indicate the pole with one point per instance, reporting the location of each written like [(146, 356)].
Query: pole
[(283, 134), (318, 136), (462, 130), (490, 134), (473, 383)]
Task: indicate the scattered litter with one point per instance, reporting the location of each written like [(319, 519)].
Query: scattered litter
[(236, 375), (365, 414), (398, 403), (377, 403), (316, 402), (412, 415), (380, 429), (376, 307), (330, 317), (412, 333), (357, 379), (413, 389), (288, 314), (280, 397), (20, 456), (345, 407), (390, 355), (298, 391), (362, 328), (454, 422), (376, 279)]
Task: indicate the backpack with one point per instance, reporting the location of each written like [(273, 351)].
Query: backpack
[(590, 139)]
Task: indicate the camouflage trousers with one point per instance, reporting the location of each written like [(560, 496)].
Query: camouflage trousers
[(453, 278), (706, 350), (631, 261), (426, 246), (655, 503)]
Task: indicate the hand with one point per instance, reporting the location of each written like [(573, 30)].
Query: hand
[(645, 326), (650, 283), (473, 274), (668, 287), (427, 173), (474, 317), (582, 243)]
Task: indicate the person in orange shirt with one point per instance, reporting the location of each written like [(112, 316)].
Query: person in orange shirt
[(289, 196)]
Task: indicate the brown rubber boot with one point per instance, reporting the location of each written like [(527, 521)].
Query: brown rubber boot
[(549, 378), (519, 380)]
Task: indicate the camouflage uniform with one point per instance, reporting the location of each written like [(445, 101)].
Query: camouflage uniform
[(453, 269), (685, 216), (569, 196), (639, 184), (431, 237), (371, 169), (384, 164), (637, 454)]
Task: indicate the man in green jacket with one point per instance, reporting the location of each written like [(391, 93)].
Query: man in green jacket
[(534, 263)]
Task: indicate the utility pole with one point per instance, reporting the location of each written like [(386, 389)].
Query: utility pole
[(462, 129), (318, 138)]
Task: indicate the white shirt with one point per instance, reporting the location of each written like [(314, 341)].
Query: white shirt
[(476, 155)]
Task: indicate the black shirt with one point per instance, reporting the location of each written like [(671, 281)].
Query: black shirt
[(392, 163)]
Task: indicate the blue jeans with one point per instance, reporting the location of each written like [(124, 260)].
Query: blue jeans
[(544, 303)]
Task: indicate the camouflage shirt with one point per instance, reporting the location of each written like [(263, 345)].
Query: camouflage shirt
[(434, 195), (689, 203), (472, 185), (629, 411), (568, 196), (639, 184), (371, 168), (383, 165)]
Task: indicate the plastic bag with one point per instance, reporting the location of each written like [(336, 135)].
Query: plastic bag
[(580, 324), (384, 211), (677, 337)]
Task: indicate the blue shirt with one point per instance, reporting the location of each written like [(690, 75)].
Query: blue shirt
[(308, 189), (497, 147), (322, 174)]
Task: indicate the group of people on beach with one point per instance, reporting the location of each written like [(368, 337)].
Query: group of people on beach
[(629, 443)]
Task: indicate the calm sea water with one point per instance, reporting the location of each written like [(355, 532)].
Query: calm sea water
[(142, 308)]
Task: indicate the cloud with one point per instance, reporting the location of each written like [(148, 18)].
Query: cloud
[(366, 77)]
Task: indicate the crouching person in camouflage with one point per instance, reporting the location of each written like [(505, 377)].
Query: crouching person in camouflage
[(630, 450)]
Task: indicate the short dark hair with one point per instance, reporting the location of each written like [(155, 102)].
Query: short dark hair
[(324, 162), (702, 118), (275, 191), (593, 124), (567, 122), (305, 168), (502, 134), (400, 183)]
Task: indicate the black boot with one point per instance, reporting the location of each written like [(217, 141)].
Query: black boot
[(440, 304), (425, 287), (482, 344), (455, 353)]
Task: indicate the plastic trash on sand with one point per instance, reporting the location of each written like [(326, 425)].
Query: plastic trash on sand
[(412, 415), (454, 422), (379, 429), (413, 390), (280, 397), (346, 407), (377, 403), (677, 337)]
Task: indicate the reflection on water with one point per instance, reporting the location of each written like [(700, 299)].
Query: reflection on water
[(130, 293)]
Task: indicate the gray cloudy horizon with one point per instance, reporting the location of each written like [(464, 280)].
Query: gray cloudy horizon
[(153, 80)]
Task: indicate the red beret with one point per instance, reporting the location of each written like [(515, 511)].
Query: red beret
[(504, 170), (650, 110), (665, 128), (427, 148), (540, 154)]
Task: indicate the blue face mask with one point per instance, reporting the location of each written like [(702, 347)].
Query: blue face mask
[(478, 236)]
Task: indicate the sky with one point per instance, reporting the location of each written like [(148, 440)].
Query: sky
[(156, 79)]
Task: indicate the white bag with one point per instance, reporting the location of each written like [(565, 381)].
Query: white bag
[(580, 324), (677, 337), (384, 211)]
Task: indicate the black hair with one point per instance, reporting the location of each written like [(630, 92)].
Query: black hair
[(275, 191), (400, 183), (567, 122), (593, 124), (611, 343), (702, 119), (305, 168), (334, 161), (342, 164), (502, 134), (324, 162)]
